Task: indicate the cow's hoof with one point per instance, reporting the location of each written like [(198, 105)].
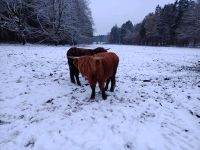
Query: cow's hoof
[(111, 90), (92, 97), (104, 97)]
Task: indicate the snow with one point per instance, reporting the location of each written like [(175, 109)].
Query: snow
[(155, 105)]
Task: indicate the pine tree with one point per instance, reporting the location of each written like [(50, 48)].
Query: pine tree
[(158, 24), (114, 36), (188, 29), (151, 29), (136, 38), (126, 30), (167, 22)]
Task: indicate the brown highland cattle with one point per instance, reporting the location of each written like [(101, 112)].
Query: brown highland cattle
[(77, 52), (99, 68)]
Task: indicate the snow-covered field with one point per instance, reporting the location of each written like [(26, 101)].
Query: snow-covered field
[(155, 106)]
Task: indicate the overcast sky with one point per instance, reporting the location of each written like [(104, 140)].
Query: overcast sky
[(107, 13)]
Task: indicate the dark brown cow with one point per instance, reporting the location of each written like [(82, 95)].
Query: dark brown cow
[(99, 68), (76, 52)]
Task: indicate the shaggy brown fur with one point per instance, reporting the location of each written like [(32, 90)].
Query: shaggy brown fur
[(99, 68), (76, 52)]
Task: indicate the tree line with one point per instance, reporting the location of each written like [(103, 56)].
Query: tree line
[(174, 24), (100, 39), (46, 21)]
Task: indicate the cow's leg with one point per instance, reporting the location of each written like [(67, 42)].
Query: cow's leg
[(93, 92), (113, 81), (72, 75), (107, 83), (104, 96), (71, 70), (101, 86), (77, 77), (112, 84), (92, 85)]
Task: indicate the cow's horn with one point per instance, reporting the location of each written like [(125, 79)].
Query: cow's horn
[(73, 57), (107, 49)]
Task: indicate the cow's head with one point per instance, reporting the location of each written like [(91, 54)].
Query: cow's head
[(100, 49)]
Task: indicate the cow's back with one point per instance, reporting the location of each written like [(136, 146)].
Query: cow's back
[(109, 62), (108, 58), (74, 51)]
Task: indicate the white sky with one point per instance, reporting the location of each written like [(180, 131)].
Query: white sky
[(107, 13)]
